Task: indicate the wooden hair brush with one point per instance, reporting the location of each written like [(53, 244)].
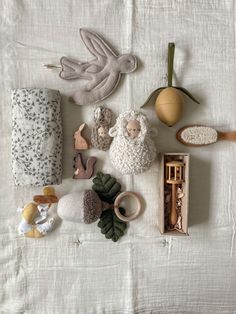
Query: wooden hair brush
[(199, 135)]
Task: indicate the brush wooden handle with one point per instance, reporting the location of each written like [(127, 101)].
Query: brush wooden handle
[(228, 136), (173, 214)]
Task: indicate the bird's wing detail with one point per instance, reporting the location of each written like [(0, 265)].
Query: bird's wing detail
[(96, 45), (94, 68), (98, 92), (72, 69)]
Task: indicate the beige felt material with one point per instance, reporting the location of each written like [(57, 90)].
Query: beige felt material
[(103, 73)]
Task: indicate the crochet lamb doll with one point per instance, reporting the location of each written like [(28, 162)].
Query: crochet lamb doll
[(100, 138), (132, 150)]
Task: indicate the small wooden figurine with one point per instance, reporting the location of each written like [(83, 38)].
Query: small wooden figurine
[(174, 176), (82, 172), (80, 142)]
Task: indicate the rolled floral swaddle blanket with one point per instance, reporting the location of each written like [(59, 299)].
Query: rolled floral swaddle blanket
[(36, 136)]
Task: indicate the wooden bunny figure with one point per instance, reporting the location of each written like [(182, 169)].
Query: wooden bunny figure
[(80, 142), (100, 138)]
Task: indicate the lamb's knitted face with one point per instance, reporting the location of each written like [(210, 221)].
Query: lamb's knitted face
[(133, 128)]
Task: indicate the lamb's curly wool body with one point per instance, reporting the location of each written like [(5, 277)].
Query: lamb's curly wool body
[(131, 155)]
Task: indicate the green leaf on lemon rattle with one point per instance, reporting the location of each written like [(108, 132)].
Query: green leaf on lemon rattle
[(168, 100), (186, 92), (152, 95)]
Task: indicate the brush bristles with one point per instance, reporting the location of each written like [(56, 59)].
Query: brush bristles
[(199, 135)]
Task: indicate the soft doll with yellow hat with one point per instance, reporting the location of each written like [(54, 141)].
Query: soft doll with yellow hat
[(34, 223)]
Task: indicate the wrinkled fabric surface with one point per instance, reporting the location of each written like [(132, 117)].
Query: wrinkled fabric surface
[(36, 137), (75, 269)]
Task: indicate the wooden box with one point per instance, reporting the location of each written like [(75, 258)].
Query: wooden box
[(165, 200)]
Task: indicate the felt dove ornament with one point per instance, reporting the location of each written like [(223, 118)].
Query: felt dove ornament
[(102, 73)]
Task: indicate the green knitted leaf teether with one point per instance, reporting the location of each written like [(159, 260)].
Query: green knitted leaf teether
[(106, 187), (111, 225)]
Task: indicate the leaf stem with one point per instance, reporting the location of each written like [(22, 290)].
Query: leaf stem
[(171, 53)]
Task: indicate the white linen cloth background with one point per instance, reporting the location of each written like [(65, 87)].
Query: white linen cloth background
[(144, 272)]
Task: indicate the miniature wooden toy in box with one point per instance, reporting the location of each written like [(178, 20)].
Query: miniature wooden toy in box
[(174, 194)]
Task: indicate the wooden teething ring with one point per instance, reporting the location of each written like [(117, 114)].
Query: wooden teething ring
[(117, 204)]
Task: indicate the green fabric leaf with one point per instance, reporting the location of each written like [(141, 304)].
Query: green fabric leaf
[(171, 54), (111, 226), (106, 187), (186, 92), (152, 95)]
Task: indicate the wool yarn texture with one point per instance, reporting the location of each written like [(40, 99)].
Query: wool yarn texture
[(100, 137), (132, 150)]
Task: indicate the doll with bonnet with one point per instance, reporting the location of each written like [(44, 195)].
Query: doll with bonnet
[(100, 138), (132, 150)]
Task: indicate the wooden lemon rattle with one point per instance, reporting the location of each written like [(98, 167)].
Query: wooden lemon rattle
[(174, 176), (169, 101), (117, 205)]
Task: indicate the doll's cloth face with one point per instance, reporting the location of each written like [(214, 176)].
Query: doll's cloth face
[(133, 128), (102, 132)]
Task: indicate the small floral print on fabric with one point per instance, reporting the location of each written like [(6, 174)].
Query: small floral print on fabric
[(36, 137)]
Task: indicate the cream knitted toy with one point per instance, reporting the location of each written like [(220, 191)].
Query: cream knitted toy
[(100, 137), (132, 150)]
